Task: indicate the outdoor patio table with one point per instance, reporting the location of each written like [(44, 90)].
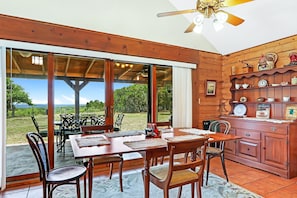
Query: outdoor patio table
[(148, 147)]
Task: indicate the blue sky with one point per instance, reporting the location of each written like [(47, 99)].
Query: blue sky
[(37, 90)]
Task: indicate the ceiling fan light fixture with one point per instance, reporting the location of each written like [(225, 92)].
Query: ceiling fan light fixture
[(198, 19), (217, 25), (221, 17)]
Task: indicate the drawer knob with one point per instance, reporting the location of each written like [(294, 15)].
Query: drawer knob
[(273, 129), (247, 135)]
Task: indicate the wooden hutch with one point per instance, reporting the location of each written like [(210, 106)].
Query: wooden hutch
[(267, 144)]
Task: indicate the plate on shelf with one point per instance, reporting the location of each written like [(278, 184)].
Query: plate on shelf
[(262, 83), (243, 99), (239, 110)]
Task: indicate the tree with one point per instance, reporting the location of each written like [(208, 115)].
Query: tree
[(15, 94), (95, 105), (132, 99)]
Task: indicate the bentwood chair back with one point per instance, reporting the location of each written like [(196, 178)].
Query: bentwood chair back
[(107, 159), (43, 133), (118, 122), (217, 150), (181, 172), (52, 178)]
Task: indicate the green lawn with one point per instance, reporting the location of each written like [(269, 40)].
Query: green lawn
[(17, 127)]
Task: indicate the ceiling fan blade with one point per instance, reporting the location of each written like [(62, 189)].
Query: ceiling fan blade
[(235, 2), (176, 12), (232, 19), (190, 28)]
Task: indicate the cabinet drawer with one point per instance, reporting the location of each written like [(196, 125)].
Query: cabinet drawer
[(249, 150), (248, 134), (276, 129)]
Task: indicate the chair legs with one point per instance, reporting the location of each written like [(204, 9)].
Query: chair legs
[(224, 166), (120, 173), (77, 188), (207, 169)]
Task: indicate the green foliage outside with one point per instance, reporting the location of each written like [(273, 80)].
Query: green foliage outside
[(15, 94), (132, 101)]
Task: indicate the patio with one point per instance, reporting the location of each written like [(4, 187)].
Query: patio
[(20, 159)]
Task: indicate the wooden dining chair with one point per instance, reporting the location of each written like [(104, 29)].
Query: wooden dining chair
[(52, 178), (181, 172), (217, 149), (108, 159), (160, 125)]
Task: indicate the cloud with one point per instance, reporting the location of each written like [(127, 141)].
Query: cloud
[(71, 100)]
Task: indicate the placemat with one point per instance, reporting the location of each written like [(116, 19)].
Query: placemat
[(123, 134), (184, 137), (91, 141), (146, 143), (197, 131)]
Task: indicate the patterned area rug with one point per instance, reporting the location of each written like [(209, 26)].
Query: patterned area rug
[(133, 187)]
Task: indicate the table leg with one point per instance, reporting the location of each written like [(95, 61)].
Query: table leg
[(90, 172), (146, 178)]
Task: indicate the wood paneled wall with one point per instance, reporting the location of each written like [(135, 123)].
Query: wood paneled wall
[(206, 107), (251, 56), (210, 66)]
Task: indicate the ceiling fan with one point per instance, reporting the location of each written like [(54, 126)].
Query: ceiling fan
[(208, 9)]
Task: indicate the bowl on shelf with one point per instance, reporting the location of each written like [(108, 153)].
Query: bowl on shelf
[(284, 83), (270, 99), (237, 86), (286, 98), (260, 99), (275, 85), (245, 85)]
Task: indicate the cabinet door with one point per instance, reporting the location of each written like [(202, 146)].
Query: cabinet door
[(230, 145), (275, 150)]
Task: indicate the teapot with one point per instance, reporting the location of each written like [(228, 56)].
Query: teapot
[(267, 62)]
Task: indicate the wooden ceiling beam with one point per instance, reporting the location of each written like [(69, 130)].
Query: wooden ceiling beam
[(16, 64), (89, 67), (67, 66)]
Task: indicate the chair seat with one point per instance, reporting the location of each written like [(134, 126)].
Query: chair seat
[(108, 159), (213, 150), (67, 173), (178, 177)]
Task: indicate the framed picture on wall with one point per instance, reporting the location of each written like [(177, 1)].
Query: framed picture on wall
[(291, 112), (210, 87)]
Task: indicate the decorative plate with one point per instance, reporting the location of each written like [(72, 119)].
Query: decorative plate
[(239, 110), (243, 99), (262, 83)]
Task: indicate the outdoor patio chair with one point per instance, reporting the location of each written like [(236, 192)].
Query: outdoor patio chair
[(43, 133), (52, 178), (118, 122), (179, 172), (98, 120), (69, 126), (217, 150), (108, 159)]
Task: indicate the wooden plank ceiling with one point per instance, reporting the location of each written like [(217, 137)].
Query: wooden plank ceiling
[(79, 68)]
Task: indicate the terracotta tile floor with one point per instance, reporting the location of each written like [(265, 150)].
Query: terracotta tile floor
[(257, 181)]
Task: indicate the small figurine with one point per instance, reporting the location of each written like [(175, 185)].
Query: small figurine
[(293, 59), (248, 66), (267, 62)]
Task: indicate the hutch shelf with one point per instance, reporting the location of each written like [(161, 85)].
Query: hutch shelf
[(278, 86)]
